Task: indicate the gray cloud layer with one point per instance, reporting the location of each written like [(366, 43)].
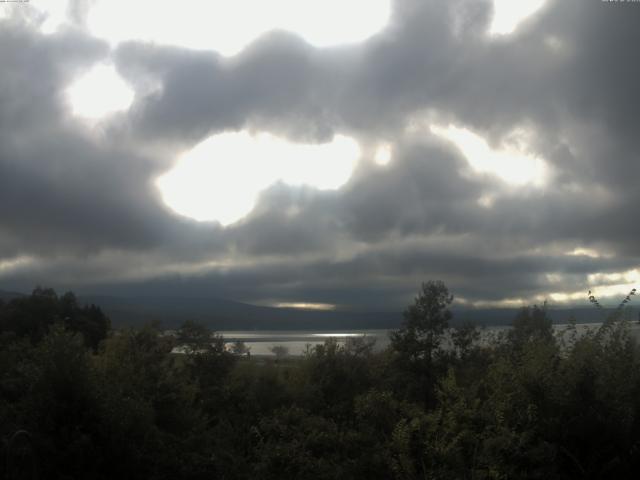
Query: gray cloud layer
[(82, 206)]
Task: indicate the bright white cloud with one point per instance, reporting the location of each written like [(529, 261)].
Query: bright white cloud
[(99, 92), (511, 164), (629, 278), (220, 179), (54, 11), (609, 288), (45, 15), (508, 14), (608, 295), (228, 26)]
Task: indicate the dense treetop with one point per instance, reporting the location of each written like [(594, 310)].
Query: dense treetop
[(78, 400)]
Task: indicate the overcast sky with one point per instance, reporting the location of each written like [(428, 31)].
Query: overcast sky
[(329, 155)]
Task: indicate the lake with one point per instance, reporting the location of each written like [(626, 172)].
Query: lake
[(261, 341), (296, 341)]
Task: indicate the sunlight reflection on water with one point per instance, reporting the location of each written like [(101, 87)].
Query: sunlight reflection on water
[(296, 341)]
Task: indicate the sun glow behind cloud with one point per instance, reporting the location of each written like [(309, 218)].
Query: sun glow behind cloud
[(220, 179), (99, 92), (508, 14), (11, 265), (585, 252), (306, 306), (510, 164), (609, 288), (383, 154), (228, 26)]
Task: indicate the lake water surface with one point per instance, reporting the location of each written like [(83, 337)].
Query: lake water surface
[(296, 341)]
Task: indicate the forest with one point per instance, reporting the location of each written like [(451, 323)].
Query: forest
[(80, 400)]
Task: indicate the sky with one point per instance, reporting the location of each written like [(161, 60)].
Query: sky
[(321, 154)]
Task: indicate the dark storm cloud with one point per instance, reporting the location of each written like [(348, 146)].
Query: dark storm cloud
[(85, 205), (573, 75), (421, 192), (279, 81), (383, 278), (63, 188)]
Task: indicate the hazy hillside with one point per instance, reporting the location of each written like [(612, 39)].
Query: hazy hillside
[(229, 315), (224, 314), (5, 295)]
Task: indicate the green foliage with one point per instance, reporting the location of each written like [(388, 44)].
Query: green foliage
[(417, 344), (33, 316), (464, 338), (529, 405), (424, 323), (240, 348), (280, 351), (335, 373), (531, 325), (196, 337)]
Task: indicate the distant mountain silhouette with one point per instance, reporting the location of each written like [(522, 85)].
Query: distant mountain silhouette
[(229, 315), (505, 316), (221, 314), (6, 296)]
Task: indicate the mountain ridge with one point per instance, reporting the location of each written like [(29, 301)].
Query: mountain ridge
[(224, 314)]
